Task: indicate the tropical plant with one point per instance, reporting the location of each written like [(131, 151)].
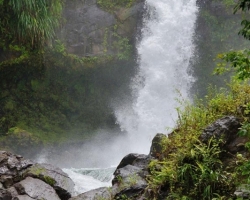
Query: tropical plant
[(29, 21)]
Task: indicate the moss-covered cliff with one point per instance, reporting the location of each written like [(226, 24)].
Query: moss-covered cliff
[(62, 89)]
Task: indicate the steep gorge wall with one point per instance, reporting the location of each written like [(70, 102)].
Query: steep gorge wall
[(93, 30)]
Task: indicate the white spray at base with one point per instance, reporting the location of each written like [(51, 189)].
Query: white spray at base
[(164, 53)]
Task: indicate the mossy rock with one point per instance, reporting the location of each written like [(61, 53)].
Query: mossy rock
[(53, 176)]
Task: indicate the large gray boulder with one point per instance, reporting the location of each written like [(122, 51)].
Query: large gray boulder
[(225, 129), (53, 176), (10, 167), (35, 189), (23, 179)]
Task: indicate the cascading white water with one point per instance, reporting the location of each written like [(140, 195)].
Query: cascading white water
[(164, 52)]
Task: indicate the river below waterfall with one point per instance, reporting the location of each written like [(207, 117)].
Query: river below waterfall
[(86, 179)]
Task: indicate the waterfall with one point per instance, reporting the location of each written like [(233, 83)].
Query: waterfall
[(165, 50)]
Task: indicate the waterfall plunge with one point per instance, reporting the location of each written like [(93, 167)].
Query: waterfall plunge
[(164, 53)]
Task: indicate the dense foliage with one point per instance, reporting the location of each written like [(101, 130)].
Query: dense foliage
[(192, 169), (29, 21)]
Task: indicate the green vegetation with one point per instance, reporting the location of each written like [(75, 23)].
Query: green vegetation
[(29, 21), (112, 5), (239, 60), (190, 169), (49, 180)]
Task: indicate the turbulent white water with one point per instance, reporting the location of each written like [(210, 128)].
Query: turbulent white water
[(164, 52), (165, 49), (90, 178)]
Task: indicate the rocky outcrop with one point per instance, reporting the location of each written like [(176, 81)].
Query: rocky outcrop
[(90, 30), (156, 147), (22, 179), (130, 176), (225, 129)]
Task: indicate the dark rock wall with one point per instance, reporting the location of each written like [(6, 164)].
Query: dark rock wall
[(91, 31)]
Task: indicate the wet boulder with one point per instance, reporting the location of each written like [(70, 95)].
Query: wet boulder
[(35, 189), (130, 176), (10, 168), (139, 160), (53, 176)]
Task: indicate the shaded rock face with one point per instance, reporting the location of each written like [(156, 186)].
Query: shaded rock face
[(91, 31), (226, 129), (156, 148), (24, 180)]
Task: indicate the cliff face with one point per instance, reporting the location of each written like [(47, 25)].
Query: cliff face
[(91, 29), (216, 32)]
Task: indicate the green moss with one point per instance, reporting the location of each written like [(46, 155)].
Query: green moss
[(49, 180), (37, 170), (112, 5)]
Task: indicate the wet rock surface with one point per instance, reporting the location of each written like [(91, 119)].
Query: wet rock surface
[(23, 179)]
